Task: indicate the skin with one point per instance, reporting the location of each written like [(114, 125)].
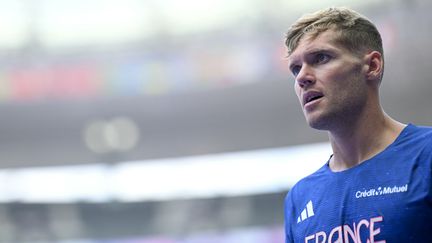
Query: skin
[(349, 108)]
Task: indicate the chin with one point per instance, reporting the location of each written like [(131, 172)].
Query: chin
[(317, 123), (318, 126)]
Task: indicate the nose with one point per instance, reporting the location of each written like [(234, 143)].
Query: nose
[(305, 77)]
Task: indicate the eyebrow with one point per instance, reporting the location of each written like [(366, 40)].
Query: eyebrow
[(310, 52), (319, 50)]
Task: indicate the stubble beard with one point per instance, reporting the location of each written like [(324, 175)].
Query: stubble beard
[(340, 113)]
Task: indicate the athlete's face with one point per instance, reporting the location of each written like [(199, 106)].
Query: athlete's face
[(329, 80)]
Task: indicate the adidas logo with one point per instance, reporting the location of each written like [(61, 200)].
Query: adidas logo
[(306, 213)]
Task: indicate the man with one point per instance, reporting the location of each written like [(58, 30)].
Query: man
[(377, 185)]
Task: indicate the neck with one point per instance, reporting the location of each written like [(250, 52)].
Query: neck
[(360, 140)]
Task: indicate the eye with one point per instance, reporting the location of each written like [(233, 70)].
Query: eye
[(321, 58), (295, 70)]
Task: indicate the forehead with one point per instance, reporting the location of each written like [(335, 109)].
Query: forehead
[(308, 44)]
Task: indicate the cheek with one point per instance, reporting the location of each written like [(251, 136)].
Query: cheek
[(343, 79), (346, 89), (297, 90)]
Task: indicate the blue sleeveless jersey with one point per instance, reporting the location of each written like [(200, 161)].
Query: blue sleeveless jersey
[(387, 198)]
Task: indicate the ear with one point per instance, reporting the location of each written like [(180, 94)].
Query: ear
[(375, 66)]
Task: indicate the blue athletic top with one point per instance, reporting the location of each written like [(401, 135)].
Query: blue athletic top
[(387, 198)]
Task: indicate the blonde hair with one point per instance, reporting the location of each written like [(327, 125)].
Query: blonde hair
[(354, 31)]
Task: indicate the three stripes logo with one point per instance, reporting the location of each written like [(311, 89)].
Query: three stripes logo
[(306, 213)]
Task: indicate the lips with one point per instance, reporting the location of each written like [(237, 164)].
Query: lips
[(311, 96)]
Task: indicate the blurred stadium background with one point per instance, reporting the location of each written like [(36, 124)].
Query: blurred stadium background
[(167, 121)]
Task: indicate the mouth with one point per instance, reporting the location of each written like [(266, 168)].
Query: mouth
[(311, 96)]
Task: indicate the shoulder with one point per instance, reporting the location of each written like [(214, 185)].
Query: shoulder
[(425, 135), (422, 135), (302, 187), (415, 137), (418, 132), (299, 195), (416, 142)]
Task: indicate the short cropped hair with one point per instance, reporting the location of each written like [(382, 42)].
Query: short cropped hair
[(355, 32)]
